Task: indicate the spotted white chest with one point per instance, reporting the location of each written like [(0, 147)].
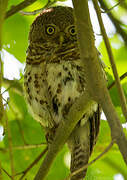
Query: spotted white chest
[(51, 90)]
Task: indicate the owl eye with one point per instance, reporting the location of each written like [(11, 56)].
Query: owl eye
[(50, 30), (72, 30)]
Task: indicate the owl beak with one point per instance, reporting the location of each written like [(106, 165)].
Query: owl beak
[(61, 38)]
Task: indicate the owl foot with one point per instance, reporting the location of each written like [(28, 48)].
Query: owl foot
[(51, 134)]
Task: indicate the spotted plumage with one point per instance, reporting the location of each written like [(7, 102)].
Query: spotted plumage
[(54, 78)]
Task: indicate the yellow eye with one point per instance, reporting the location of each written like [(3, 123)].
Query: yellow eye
[(50, 30), (72, 30)]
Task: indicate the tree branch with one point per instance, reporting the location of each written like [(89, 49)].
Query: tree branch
[(29, 146), (50, 3), (3, 6), (115, 21), (94, 79), (66, 126), (10, 147), (1, 177), (6, 173), (110, 9), (111, 58), (121, 78), (19, 7), (24, 147)]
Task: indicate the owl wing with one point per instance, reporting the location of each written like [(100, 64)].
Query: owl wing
[(35, 85), (81, 143)]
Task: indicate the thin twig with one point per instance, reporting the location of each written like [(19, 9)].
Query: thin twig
[(1, 177), (19, 7), (1, 102), (29, 146), (32, 164), (111, 58), (28, 13), (15, 85), (11, 108), (21, 131), (117, 23), (123, 4), (10, 146), (38, 10), (6, 173), (121, 78), (110, 9), (98, 157)]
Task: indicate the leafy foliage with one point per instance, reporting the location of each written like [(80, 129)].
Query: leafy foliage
[(25, 130)]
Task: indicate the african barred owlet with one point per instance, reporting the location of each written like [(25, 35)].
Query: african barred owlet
[(54, 78)]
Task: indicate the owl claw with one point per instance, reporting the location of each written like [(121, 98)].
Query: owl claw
[(51, 134)]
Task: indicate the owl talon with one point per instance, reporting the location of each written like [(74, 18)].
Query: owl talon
[(50, 135)]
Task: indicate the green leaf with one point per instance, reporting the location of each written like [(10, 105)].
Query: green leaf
[(107, 167), (17, 104), (15, 39)]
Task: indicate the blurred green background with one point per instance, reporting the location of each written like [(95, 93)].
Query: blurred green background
[(25, 130)]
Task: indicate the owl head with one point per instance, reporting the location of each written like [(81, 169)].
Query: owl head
[(55, 24)]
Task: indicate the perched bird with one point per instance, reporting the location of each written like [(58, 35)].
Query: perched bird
[(54, 78)]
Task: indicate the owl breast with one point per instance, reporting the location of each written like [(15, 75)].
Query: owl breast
[(52, 89)]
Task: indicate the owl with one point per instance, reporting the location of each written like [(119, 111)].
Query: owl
[(54, 78)]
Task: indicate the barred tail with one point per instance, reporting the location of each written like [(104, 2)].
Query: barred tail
[(79, 158), (79, 144)]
